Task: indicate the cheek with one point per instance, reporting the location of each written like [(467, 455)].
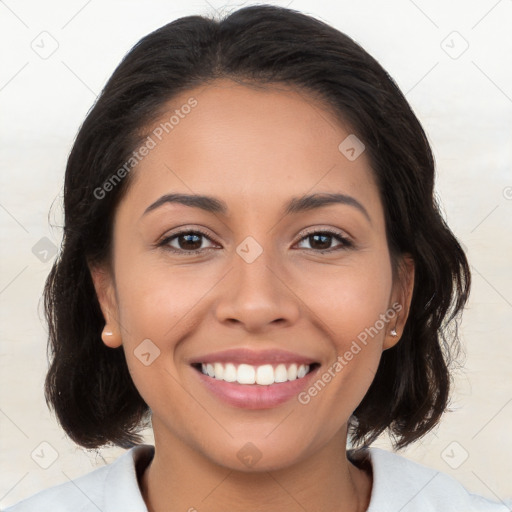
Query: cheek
[(164, 305), (349, 299), (351, 309), (155, 299), (154, 311), (352, 303)]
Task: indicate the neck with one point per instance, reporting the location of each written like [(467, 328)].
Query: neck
[(181, 479)]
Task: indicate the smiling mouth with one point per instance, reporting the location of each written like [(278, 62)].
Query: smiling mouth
[(263, 375)]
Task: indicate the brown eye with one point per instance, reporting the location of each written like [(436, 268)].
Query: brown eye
[(189, 241), (321, 241), (185, 242)]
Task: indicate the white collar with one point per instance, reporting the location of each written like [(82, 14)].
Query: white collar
[(399, 485), (402, 485)]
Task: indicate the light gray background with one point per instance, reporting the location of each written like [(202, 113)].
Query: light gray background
[(463, 99)]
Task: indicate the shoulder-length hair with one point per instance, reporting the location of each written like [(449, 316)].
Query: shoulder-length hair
[(88, 384)]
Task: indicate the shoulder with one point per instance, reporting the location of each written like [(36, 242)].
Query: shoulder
[(111, 488), (405, 485)]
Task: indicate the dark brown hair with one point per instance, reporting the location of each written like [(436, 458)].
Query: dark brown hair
[(88, 384)]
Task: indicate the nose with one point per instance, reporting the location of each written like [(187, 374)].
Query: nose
[(257, 295)]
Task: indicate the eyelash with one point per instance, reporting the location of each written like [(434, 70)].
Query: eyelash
[(345, 242)]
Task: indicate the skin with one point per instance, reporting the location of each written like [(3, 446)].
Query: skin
[(254, 149)]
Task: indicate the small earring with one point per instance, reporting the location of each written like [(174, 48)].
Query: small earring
[(393, 333), (107, 335)]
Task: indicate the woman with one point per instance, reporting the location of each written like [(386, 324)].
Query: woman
[(253, 259)]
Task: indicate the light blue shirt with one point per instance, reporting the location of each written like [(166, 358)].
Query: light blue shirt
[(399, 485)]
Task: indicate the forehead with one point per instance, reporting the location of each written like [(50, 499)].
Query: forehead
[(252, 146)]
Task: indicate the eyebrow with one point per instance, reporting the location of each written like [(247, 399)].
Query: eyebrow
[(295, 205)]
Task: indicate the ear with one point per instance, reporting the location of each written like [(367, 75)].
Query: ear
[(401, 297), (104, 285)]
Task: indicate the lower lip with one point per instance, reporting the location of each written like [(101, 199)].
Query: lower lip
[(255, 396)]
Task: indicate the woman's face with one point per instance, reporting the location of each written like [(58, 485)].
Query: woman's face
[(262, 287)]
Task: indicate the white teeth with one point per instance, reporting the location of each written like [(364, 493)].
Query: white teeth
[(280, 373), (246, 374), (292, 372), (219, 370), (229, 373), (264, 375)]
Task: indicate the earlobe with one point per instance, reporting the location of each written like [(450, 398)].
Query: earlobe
[(111, 337), (401, 300), (393, 334), (105, 292)]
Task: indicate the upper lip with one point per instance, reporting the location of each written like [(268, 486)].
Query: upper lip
[(253, 357)]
